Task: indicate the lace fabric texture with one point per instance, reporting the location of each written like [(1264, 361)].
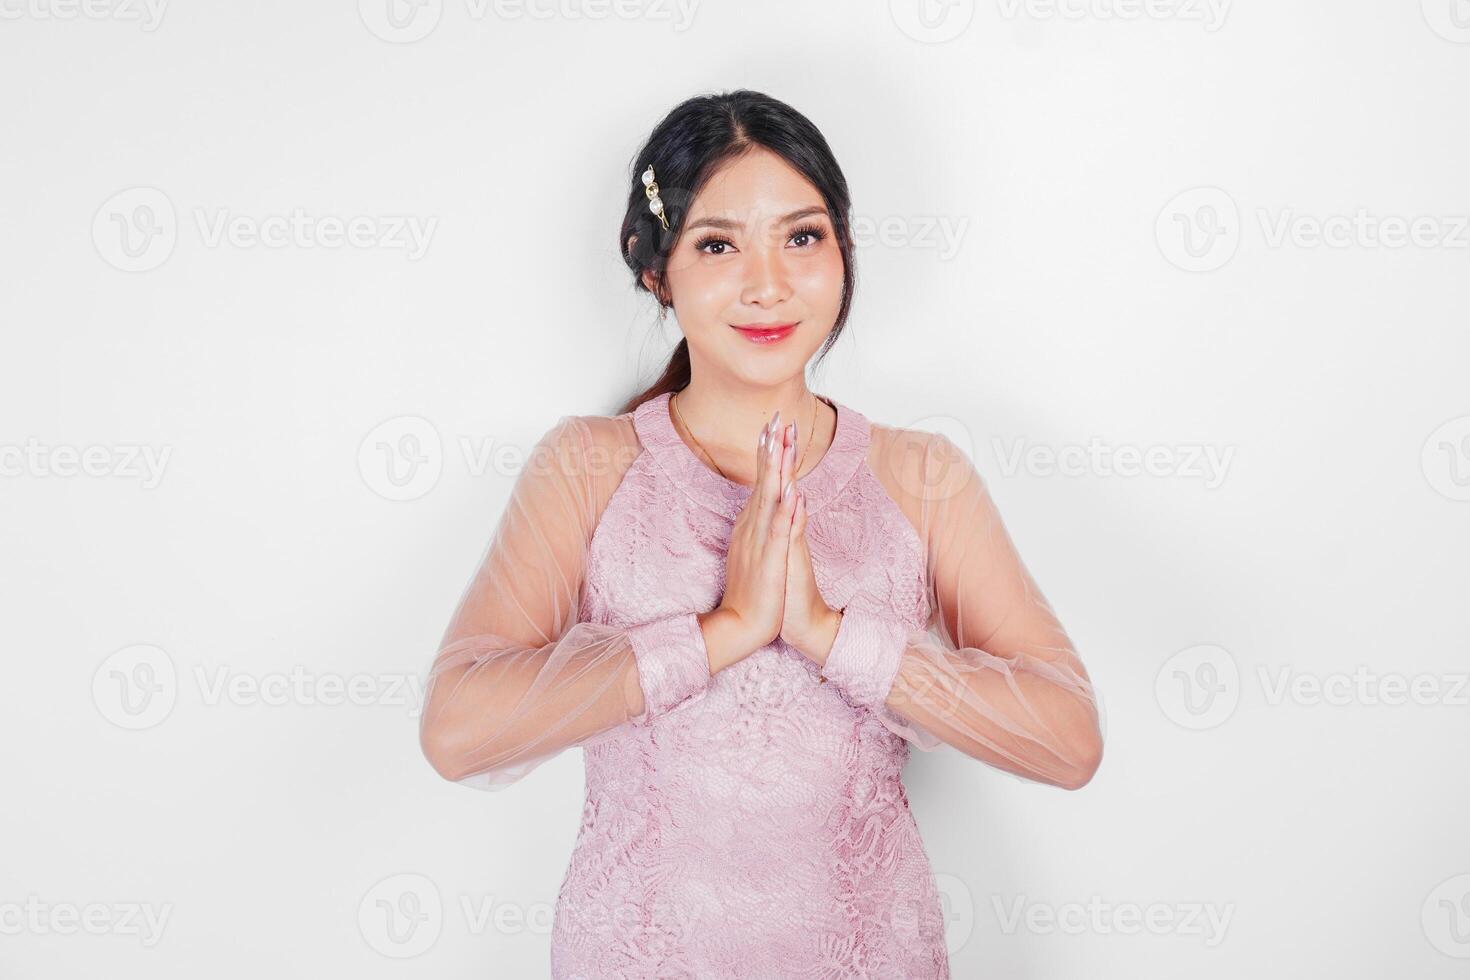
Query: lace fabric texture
[(753, 822)]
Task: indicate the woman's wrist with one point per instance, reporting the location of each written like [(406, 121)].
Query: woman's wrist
[(723, 639), (816, 643)]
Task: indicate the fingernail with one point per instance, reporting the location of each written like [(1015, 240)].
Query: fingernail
[(786, 494), (761, 442)]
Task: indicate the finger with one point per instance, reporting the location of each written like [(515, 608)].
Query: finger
[(798, 521), (786, 505), (760, 453), (777, 465), (771, 489), (764, 465)]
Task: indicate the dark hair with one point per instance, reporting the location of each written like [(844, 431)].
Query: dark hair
[(686, 148)]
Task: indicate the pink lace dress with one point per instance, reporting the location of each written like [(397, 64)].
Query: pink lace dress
[(752, 823)]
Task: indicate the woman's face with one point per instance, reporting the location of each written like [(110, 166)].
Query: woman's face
[(757, 249)]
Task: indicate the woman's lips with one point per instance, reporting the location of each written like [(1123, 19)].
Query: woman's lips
[(765, 333)]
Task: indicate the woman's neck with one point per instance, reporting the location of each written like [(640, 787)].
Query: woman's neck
[(727, 421)]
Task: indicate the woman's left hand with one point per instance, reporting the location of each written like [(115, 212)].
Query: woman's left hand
[(808, 623)]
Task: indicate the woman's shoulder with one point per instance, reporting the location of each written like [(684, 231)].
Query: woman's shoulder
[(900, 445), (582, 434), (912, 461)]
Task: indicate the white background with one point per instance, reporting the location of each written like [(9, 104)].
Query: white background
[(1131, 203)]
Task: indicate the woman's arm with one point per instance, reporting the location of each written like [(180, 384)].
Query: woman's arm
[(994, 674), (517, 678)]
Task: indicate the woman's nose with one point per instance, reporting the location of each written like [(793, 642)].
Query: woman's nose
[(765, 277)]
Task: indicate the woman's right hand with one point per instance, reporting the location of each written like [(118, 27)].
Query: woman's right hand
[(750, 614)]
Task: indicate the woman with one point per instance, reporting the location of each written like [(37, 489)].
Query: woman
[(745, 601)]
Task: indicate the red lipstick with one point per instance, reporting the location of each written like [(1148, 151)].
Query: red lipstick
[(765, 333)]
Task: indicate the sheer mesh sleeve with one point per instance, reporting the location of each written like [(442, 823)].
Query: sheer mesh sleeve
[(993, 673), (517, 677)]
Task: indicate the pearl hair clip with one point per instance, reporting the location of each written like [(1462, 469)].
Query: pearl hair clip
[(655, 203)]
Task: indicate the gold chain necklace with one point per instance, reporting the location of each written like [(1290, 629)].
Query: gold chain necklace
[(811, 431)]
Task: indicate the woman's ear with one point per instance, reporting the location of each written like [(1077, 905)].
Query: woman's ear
[(650, 282)]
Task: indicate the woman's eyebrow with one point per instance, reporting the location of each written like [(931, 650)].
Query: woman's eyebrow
[(727, 224)]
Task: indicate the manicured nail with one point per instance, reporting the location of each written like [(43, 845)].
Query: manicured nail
[(786, 494), (761, 442)]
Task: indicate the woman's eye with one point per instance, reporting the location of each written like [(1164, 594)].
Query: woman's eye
[(811, 232), (704, 244)]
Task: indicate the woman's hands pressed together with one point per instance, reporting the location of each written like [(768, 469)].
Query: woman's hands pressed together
[(770, 588)]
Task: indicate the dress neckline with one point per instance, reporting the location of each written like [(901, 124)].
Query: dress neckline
[(820, 484)]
